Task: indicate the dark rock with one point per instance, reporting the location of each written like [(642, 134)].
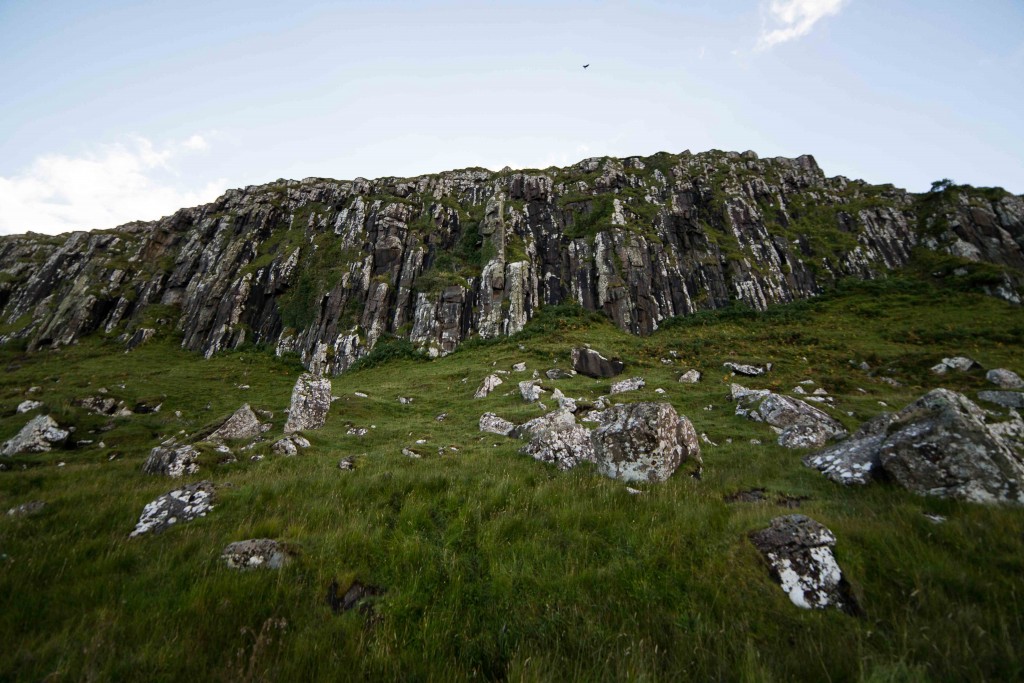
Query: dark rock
[(28, 509), (593, 364), (181, 505), (41, 434), (856, 460), (799, 553), (256, 553), (644, 442), (140, 337), (311, 400)]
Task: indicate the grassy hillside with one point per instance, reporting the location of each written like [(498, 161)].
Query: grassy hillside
[(495, 566)]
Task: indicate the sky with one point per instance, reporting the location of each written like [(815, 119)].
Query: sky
[(128, 110)]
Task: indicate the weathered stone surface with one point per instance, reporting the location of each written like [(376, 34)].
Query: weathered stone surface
[(1004, 379), (559, 373), (38, 436), (140, 337), (592, 364), (690, 377), (243, 424), (28, 406), (856, 460), (489, 384), (958, 363), (256, 553), (100, 405), (489, 422), (799, 553), (519, 367), (644, 442), (311, 400), (33, 507), (347, 464), (172, 460), (802, 425), (1007, 399), (290, 445), (555, 420), (631, 384), (177, 506), (530, 390), (745, 369), (564, 446)]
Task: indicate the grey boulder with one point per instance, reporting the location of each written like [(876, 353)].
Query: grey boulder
[(1006, 399), (243, 424), (690, 377), (592, 364), (28, 406), (856, 460), (745, 369), (802, 425), (181, 505), (631, 384), (256, 553), (172, 460), (290, 445), (644, 442), (489, 422), (38, 436), (311, 400)]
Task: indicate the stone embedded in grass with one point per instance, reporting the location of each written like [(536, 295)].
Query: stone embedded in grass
[(256, 553), (357, 595), (746, 369), (311, 400), (489, 384), (41, 434), (799, 554), (1004, 379), (556, 438), (631, 384), (243, 424), (519, 367), (140, 337), (32, 507), (489, 422), (801, 425), (958, 363), (172, 460), (690, 377), (644, 442), (347, 464), (559, 373), (180, 505), (530, 390), (28, 406), (290, 445), (592, 364)]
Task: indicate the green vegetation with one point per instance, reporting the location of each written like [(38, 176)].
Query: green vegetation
[(495, 566)]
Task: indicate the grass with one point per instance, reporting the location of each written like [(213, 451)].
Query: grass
[(495, 566)]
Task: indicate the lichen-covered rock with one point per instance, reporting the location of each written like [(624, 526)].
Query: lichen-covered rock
[(856, 460), (290, 445), (1004, 379), (799, 553), (519, 367), (530, 390), (100, 405), (958, 363), (555, 420), (311, 400), (690, 377), (802, 425), (243, 424), (172, 460), (563, 446), (28, 406), (644, 442), (256, 553), (1006, 399), (489, 384), (745, 369), (41, 434), (177, 506), (592, 364), (489, 422), (631, 384)]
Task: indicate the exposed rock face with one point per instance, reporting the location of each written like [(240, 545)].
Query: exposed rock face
[(38, 436), (1004, 379), (181, 505), (799, 554), (489, 384), (172, 460), (745, 369), (243, 424), (856, 460), (631, 384), (644, 442), (256, 553), (311, 400), (958, 363), (1007, 399), (802, 425), (592, 364), (489, 422), (639, 240)]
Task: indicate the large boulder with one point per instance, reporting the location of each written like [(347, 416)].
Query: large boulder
[(1004, 379), (181, 505), (592, 364), (172, 460), (256, 553), (799, 554), (856, 460), (311, 399), (802, 425), (38, 436), (644, 442), (243, 424), (564, 446)]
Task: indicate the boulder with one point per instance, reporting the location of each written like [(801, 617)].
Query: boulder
[(555, 420), (1007, 399), (799, 554), (958, 363), (530, 390), (559, 373), (690, 377), (256, 553), (563, 446), (101, 405), (181, 505), (1005, 379), (290, 445), (172, 460), (311, 400), (28, 509), (856, 460), (802, 424), (489, 384), (489, 422), (38, 436), (745, 369), (28, 406), (592, 364), (564, 402), (631, 384), (243, 424), (644, 442), (519, 367)]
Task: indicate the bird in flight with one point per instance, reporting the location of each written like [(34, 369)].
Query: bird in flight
[(585, 66)]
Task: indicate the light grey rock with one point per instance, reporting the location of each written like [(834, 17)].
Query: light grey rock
[(290, 445), (563, 446), (410, 453), (172, 460), (958, 363), (801, 424), (177, 506), (559, 373), (644, 442), (854, 461), (799, 390), (33, 507), (745, 369), (243, 424), (311, 400), (631, 384), (530, 390), (690, 377), (256, 553), (404, 400), (1007, 399), (1004, 379), (519, 367), (489, 384), (28, 406), (347, 464), (592, 364), (555, 420), (741, 394), (101, 405), (41, 434), (799, 554)]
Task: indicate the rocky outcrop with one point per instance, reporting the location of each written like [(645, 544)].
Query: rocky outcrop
[(799, 554), (177, 506), (311, 400), (800, 424), (325, 269), (644, 442), (41, 434)]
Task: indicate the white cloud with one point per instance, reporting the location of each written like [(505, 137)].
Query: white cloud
[(793, 19), (135, 180)]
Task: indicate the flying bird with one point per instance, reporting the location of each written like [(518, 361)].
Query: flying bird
[(585, 66)]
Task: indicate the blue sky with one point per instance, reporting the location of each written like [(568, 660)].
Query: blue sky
[(115, 111)]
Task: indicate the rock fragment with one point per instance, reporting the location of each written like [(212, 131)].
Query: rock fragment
[(489, 384), (41, 434), (180, 505)]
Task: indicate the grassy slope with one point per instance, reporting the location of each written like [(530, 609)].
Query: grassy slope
[(494, 565)]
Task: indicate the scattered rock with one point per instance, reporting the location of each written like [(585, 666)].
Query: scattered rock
[(441, 418), (347, 464), (802, 424), (181, 505), (140, 337), (410, 453), (489, 384), (172, 460), (747, 496), (631, 384), (820, 392), (644, 442), (489, 422), (101, 406), (659, 390), (311, 400), (564, 446), (404, 400), (243, 424), (746, 370), (959, 363), (357, 596), (592, 364), (360, 394), (1003, 378), (256, 553), (556, 420), (890, 381), (290, 445), (519, 367), (27, 509), (1006, 399), (856, 460), (530, 390), (357, 431), (799, 554), (559, 373), (690, 377), (38, 436), (798, 390), (27, 406)]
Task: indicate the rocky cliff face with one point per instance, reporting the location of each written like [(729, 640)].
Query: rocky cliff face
[(327, 268)]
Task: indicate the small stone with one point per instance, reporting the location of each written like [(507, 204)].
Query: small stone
[(26, 406), (256, 553), (558, 373), (659, 390), (409, 453), (632, 384), (360, 394), (519, 367), (347, 464), (745, 369), (934, 519), (489, 384), (404, 400), (690, 377), (27, 509), (441, 418)]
